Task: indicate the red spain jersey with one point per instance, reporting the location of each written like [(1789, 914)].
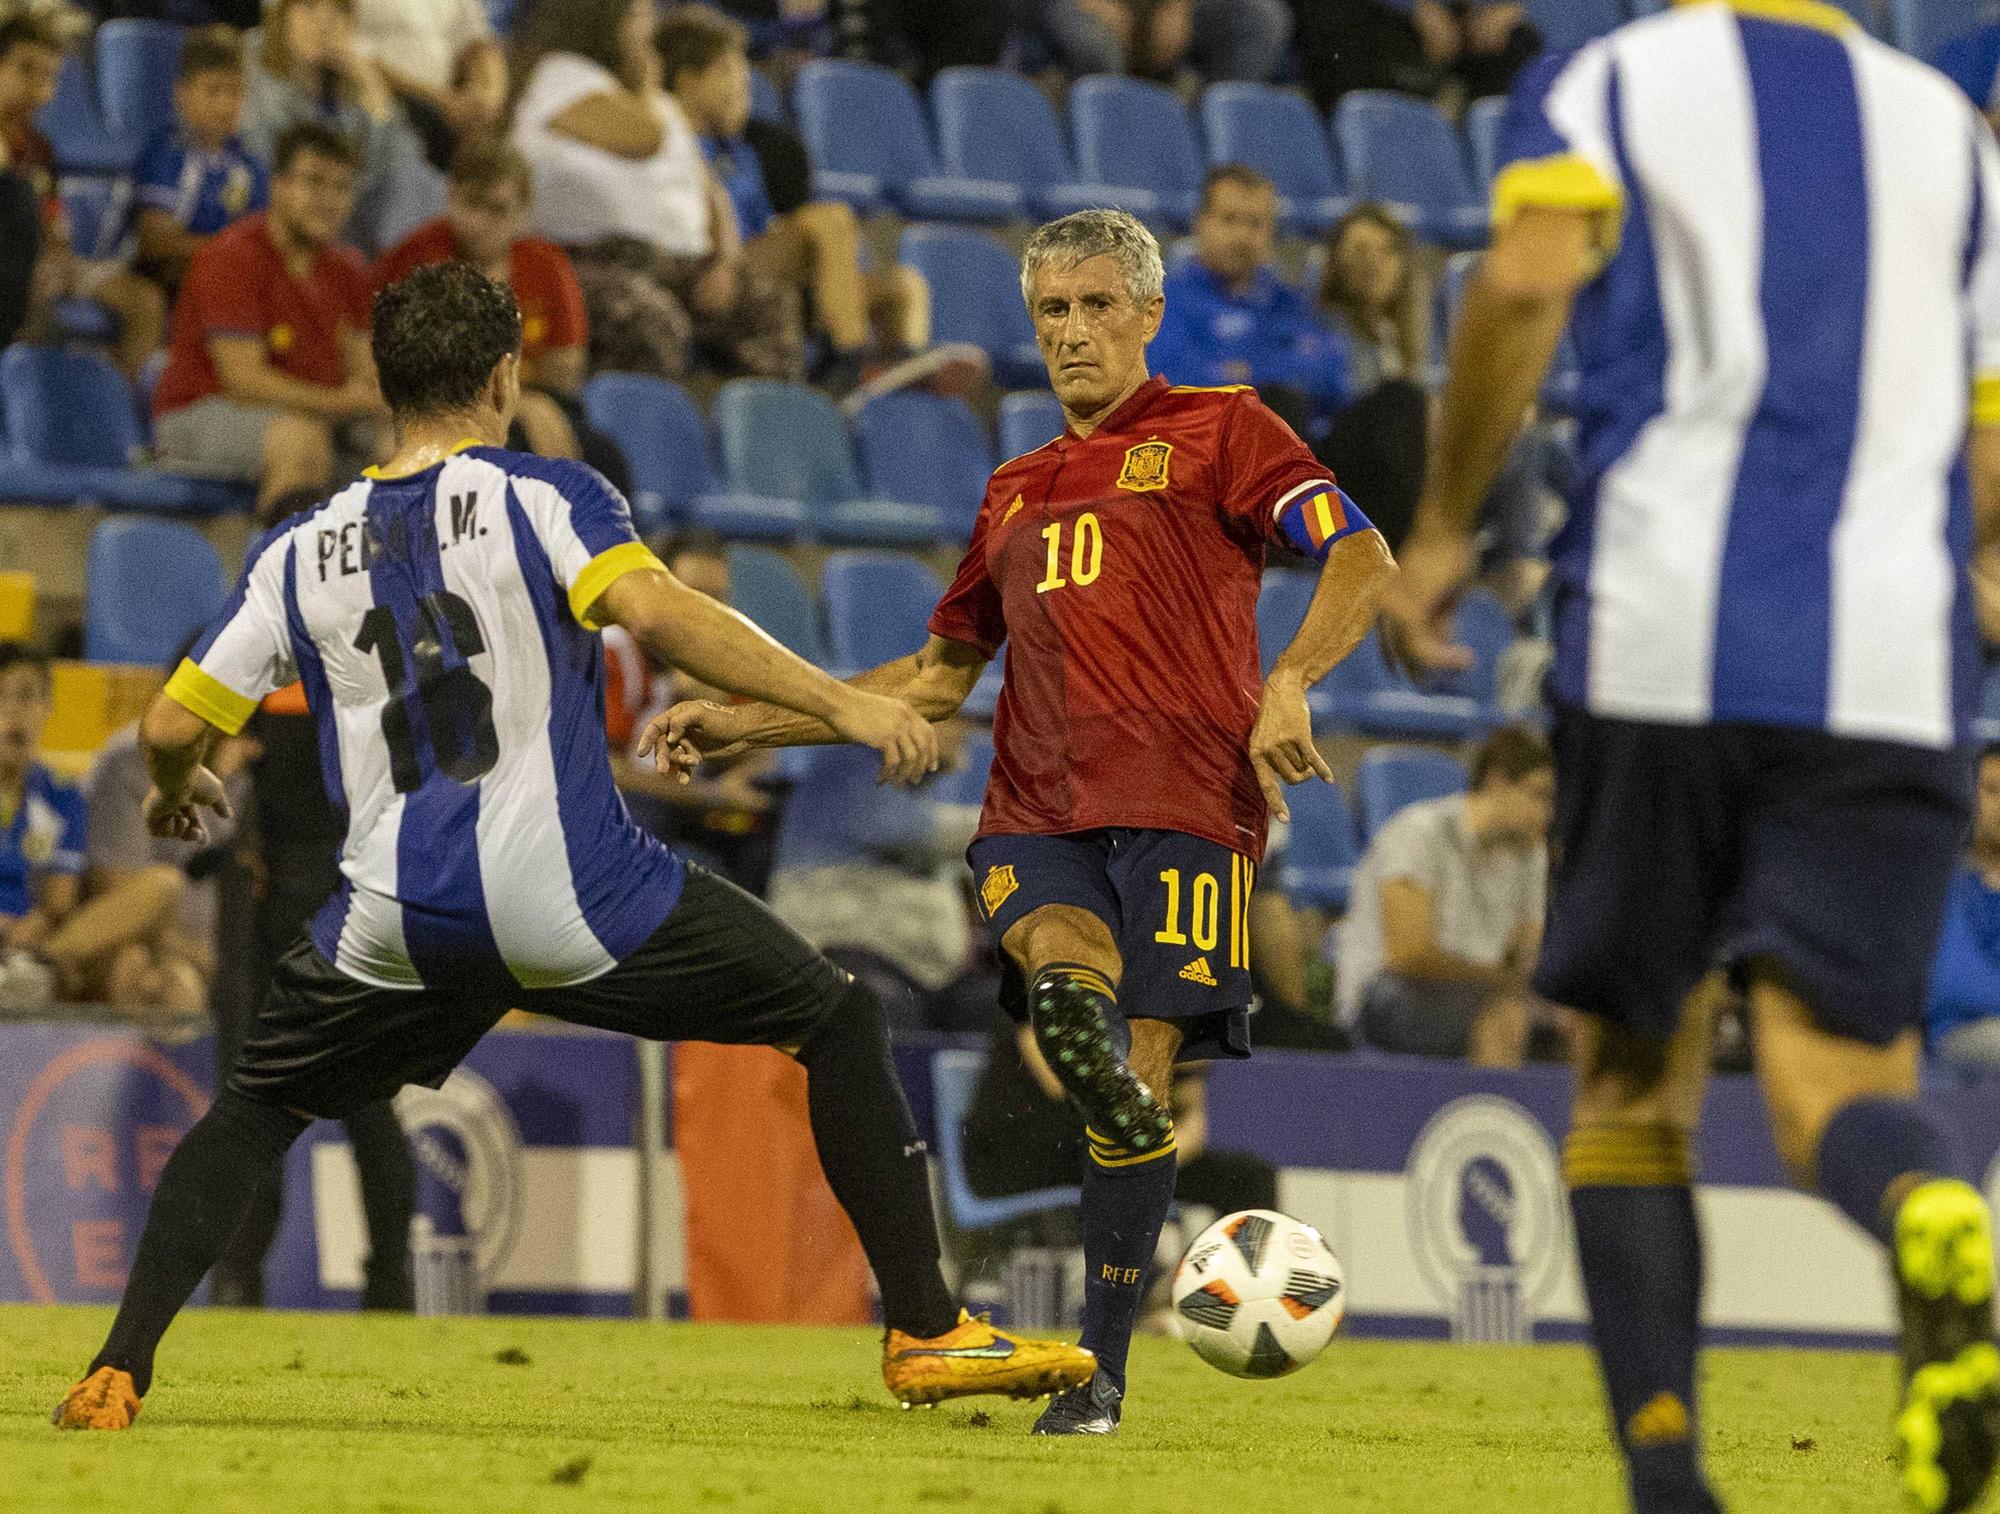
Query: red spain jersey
[(1121, 570)]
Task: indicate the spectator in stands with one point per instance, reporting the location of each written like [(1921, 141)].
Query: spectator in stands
[(621, 182), (1965, 979), (441, 59), (1460, 51), (1217, 39), (306, 65), (43, 840), (1446, 913), (196, 176), (33, 39), (20, 241), (917, 37), (1370, 294), (269, 378), (812, 248), (1230, 318), (486, 210)]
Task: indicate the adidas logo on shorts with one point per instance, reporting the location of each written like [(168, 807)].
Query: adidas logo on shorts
[(1197, 972)]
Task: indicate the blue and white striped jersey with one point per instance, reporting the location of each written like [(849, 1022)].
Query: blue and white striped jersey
[(1778, 356), (436, 621)]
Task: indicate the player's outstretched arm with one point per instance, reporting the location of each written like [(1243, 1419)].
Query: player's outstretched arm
[(686, 629), (177, 742)]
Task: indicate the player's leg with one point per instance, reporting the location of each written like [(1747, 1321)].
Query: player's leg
[(322, 1044)]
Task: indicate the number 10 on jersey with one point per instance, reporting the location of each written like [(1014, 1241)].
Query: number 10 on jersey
[(1086, 553)]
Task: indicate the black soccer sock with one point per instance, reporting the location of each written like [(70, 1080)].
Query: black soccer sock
[(1126, 1199), (1639, 1245), (1867, 1146), (388, 1198), (204, 1190), (875, 1163)]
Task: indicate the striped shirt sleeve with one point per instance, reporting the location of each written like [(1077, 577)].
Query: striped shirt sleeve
[(247, 650), (1556, 140), (586, 528)]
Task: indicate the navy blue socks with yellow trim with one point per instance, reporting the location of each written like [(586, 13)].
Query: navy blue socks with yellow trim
[(1126, 1197), (1637, 1239), (1868, 1145)]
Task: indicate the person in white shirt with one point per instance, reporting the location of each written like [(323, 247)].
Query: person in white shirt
[(621, 182), (441, 59)]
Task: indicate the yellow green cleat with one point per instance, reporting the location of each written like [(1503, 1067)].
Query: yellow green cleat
[(1948, 1431)]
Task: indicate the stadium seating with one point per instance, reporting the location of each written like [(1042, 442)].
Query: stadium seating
[(998, 128), (785, 441), (95, 209), (767, 102), (1922, 27), (149, 585), (136, 64), (1317, 866), (73, 432), (1482, 136), (926, 449), (877, 604), (1483, 624), (76, 130), (1279, 134), (954, 1076), (1393, 776), (976, 297), (1988, 720), (765, 586), (984, 699), (1131, 133), (966, 782), (1571, 23), (1402, 150), (1029, 418), (870, 146)]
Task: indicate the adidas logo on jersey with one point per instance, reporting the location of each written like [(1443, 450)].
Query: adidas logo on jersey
[(1197, 972)]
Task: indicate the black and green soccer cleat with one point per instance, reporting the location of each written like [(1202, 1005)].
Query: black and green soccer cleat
[(1073, 1034), (1948, 1432), (1093, 1408)]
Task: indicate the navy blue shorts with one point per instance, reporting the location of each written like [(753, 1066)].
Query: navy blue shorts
[(1177, 905), (1822, 860)]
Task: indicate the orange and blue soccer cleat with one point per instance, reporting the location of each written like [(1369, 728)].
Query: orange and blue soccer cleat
[(974, 1357), (105, 1400)]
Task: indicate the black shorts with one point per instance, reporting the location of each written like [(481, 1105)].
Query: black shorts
[(1822, 859), (1177, 905), (721, 967)]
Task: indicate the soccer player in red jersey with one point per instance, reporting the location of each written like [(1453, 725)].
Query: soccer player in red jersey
[(1138, 753)]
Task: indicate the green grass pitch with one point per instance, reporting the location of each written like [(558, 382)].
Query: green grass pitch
[(326, 1414)]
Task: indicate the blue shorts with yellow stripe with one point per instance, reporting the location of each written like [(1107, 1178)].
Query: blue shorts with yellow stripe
[(1177, 905)]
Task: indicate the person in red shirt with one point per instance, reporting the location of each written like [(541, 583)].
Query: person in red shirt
[(268, 375), (1138, 752), (485, 212)]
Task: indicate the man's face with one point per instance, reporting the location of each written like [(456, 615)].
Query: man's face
[(24, 710), (1523, 807), (717, 99), (487, 221), (27, 82), (1234, 231), (1092, 333), (210, 104), (313, 198), (1986, 823), (703, 573)]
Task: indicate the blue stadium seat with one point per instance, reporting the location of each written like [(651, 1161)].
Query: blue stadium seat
[(878, 607), (929, 450), (966, 783), (976, 297), (996, 127), (984, 699), (1317, 866), (1482, 135), (96, 209), (136, 64), (76, 130), (1987, 722), (954, 1076), (1393, 776), (1922, 27), (1029, 418), (1402, 150), (765, 586), (667, 446), (767, 101), (785, 441), (1131, 132), (1571, 23), (148, 585), (73, 434), (1279, 134), (870, 145), (1483, 624)]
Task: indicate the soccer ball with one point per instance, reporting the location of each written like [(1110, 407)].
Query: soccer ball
[(1259, 1294)]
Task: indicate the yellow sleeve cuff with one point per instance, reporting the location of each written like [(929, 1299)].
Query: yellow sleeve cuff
[(1566, 181), (205, 695), (602, 571), (1986, 400)]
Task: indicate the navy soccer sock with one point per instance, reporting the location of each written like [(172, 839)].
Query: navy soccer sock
[(1866, 1147), (1640, 1249), (1125, 1202), (205, 1188)]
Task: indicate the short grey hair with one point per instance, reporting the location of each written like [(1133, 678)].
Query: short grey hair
[(1086, 234)]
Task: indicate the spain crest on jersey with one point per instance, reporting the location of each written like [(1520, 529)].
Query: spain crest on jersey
[(999, 886), (1145, 467)]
